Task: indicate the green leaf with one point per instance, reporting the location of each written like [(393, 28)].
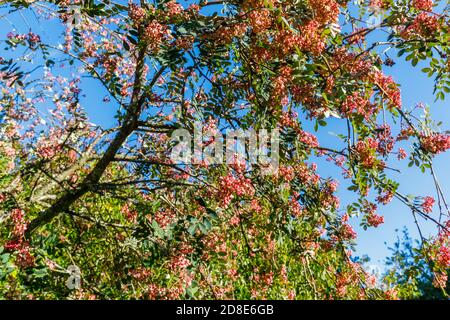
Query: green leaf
[(126, 45), (192, 229)]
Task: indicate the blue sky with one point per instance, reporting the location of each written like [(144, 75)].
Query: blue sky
[(416, 87)]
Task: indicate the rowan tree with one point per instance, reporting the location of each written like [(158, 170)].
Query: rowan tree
[(111, 200)]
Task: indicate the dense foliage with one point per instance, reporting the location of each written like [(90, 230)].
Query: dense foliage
[(108, 204), (410, 271)]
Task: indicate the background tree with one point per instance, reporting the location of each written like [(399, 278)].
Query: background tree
[(409, 270)]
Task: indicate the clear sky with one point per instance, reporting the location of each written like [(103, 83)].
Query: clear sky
[(416, 87)]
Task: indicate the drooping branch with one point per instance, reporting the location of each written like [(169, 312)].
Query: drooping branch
[(130, 124)]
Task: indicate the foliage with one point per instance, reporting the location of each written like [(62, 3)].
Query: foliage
[(111, 202), (409, 270)]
